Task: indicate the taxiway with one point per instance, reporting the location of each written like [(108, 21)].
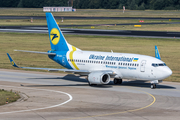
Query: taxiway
[(56, 96)]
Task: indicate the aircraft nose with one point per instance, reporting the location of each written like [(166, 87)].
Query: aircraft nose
[(168, 72)]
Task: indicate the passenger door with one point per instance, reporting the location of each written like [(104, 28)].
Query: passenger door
[(143, 63)]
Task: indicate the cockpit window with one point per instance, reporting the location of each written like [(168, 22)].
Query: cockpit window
[(158, 64)]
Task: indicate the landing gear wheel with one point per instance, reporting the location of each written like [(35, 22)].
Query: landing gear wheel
[(117, 81), (153, 86), (120, 81)]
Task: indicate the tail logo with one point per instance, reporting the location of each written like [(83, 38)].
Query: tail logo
[(12, 62), (55, 36)]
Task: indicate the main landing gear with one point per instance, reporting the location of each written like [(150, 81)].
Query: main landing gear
[(117, 81)]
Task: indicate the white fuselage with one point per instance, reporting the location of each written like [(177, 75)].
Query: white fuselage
[(125, 65)]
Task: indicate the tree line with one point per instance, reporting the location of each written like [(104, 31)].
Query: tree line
[(96, 4)]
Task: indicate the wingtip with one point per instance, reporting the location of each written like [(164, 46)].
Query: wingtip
[(11, 60), (155, 47)]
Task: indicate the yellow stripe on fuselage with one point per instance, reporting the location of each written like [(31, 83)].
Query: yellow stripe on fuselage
[(71, 57)]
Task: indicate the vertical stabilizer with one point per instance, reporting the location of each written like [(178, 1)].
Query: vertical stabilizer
[(157, 55), (57, 40)]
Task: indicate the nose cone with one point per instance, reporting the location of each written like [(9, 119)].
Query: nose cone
[(168, 72)]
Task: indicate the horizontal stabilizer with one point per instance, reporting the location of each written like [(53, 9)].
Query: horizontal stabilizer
[(157, 54), (47, 53)]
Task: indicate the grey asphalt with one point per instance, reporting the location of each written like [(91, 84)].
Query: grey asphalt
[(42, 29), (80, 17), (131, 100)]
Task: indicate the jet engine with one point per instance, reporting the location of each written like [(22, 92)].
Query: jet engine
[(98, 78)]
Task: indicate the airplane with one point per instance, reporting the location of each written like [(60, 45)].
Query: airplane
[(100, 67)]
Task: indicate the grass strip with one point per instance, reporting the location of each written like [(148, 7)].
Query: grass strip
[(92, 12), (8, 96)]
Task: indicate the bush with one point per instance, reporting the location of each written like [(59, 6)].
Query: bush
[(141, 7)]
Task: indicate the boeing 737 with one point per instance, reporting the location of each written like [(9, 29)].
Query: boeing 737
[(100, 67)]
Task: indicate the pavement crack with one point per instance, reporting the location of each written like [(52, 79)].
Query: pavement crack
[(37, 114), (89, 116)]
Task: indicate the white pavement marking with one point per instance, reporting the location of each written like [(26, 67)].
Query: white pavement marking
[(70, 98)]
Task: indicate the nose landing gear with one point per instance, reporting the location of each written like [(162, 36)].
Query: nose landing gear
[(153, 86)]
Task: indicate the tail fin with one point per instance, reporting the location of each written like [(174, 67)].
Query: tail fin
[(57, 40), (157, 55)]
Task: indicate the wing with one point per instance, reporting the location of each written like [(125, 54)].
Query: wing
[(47, 53), (81, 72)]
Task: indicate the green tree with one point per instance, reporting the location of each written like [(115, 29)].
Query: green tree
[(133, 5), (20, 4), (9, 3), (158, 4), (114, 4), (141, 7), (122, 3)]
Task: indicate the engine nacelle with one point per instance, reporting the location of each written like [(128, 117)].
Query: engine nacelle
[(98, 78)]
